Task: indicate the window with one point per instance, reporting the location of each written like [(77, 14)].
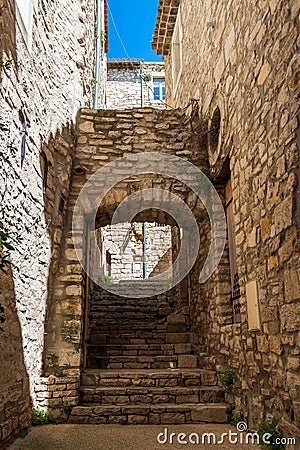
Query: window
[(235, 287), (177, 51), (159, 89), (25, 19), (214, 130)]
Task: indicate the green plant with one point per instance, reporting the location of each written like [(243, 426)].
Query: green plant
[(6, 64), (41, 417), (108, 279), (102, 37), (123, 422), (147, 77), (236, 418), (166, 284), (227, 379), (93, 291), (23, 433), (52, 360), (270, 426), (66, 408)]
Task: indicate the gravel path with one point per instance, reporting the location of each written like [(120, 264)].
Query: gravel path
[(118, 437)]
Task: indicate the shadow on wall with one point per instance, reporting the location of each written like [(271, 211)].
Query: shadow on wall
[(8, 31), (15, 405), (56, 162), (164, 265)]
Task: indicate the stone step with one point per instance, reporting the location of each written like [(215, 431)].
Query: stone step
[(140, 350), (142, 362), (126, 327), (167, 414), (149, 378), (151, 395)]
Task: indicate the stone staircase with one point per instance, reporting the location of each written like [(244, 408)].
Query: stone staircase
[(141, 368), (171, 396)]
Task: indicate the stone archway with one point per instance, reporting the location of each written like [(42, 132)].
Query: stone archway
[(103, 137)]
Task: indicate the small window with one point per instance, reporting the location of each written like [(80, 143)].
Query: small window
[(25, 19), (159, 89), (177, 51)]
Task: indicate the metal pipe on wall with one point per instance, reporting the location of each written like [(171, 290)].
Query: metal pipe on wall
[(142, 84), (99, 45)]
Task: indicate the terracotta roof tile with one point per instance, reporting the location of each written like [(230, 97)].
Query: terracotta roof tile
[(165, 22)]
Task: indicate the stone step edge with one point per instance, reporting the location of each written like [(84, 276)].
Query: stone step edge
[(152, 414), (109, 390), (145, 373), (144, 358)]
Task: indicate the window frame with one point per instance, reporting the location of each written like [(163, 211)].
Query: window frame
[(162, 85)]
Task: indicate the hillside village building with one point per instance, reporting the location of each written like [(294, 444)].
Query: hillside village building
[(125, 344), (135, 83)]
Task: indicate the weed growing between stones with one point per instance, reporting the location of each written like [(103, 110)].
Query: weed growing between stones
[(52, 361), (227, 379), (41, 417)]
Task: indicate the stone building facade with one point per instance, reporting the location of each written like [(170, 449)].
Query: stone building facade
[(134, 250), (47, 64), (135, 83), (239, 60)]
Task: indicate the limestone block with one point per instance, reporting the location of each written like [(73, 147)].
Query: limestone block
[(264, 73), (172, 418), (292, 284), (188, 361), (290, 317), (74, 290), (283, 214), (209, 414)]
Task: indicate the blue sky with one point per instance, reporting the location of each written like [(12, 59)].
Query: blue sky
[(135, 21)]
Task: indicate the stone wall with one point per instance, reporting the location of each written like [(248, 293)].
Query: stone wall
[(49, 79), (15, 414), (125, 244), (123, 87), (241, 58)]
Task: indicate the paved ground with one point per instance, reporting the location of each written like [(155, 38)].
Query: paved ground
[(121, 437)]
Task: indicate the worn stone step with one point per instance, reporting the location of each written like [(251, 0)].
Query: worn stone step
[(143, 362), (149, 378), (151, 395), (167, 414), (142, 350), (126, 327)]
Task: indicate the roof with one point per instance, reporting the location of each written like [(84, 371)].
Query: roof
[(165, 22), (131, 63), (124, 63)]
